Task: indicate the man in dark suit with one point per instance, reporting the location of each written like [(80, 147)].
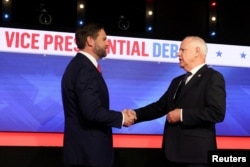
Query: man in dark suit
[(193, 111), (88, 119)]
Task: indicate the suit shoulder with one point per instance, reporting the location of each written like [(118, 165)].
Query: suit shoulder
[(215, 74), (213, 71), (177, 78)]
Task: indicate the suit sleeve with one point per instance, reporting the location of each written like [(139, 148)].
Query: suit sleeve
[(154, 110), (94, 100)]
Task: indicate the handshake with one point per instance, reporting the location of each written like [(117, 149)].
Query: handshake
[(129, 117)]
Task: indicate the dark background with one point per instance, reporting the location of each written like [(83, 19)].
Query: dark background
[(173, 19)]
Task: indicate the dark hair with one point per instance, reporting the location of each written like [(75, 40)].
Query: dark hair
[(88, 29)]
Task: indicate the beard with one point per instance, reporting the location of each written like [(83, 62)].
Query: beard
[(101, 52)]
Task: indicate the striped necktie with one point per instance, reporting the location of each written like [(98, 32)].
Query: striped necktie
[(181, 85), (185, 78)]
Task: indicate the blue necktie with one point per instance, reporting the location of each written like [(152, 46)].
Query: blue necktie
[(185, 78), (181, 85)]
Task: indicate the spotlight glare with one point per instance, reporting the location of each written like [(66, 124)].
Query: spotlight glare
[(213, 4), (6, 16), (81, 22), (150, 12), (213, 18), (213, 33), (81, 6), (149, 28)]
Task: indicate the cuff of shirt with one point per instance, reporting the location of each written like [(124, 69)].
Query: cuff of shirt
[(123, 118), (181, 115)]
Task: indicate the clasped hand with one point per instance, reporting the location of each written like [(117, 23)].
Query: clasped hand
[(129, 117), (174, 116)]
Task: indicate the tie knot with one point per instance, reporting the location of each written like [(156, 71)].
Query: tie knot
[(99, 68), (186, 76)]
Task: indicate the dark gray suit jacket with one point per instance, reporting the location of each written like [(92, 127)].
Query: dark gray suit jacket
[(203, 101), (88, 120)]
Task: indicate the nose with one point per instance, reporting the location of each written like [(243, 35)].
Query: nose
[(179, 53), (107, 43)]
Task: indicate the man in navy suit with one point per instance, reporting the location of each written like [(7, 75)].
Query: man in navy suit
[(193, 111), (88, 119)]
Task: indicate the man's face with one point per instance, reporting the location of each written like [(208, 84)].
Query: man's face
[(187, 54), (101, 44)]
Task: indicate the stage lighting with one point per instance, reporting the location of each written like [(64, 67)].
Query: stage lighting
[(212, 34), (6, 16), (123, 23), (45, 17), (149, 28), (213, 19), (80, 22)]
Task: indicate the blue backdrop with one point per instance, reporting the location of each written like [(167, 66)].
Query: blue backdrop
[(30, 98)]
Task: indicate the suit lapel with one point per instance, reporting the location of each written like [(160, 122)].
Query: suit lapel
[(91, 65), (197, 76)]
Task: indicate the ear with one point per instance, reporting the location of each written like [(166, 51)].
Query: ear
[(90, 41), (197, 51)]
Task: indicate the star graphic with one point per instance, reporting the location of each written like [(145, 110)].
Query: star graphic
[(219, 53), (45, 88), (243, 55)]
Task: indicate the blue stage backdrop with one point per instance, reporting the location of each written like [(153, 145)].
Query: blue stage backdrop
[(30, 97), (31, 101)]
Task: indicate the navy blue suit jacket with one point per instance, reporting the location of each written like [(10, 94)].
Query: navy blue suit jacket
[(203, 101), (88, 119)]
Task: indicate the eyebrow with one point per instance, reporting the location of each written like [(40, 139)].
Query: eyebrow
[(182, 49)]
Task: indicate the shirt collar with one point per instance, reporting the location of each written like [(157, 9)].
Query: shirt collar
[(194, 70), (90, 57)]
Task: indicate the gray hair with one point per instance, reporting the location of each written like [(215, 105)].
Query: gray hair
[(200, 42)]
